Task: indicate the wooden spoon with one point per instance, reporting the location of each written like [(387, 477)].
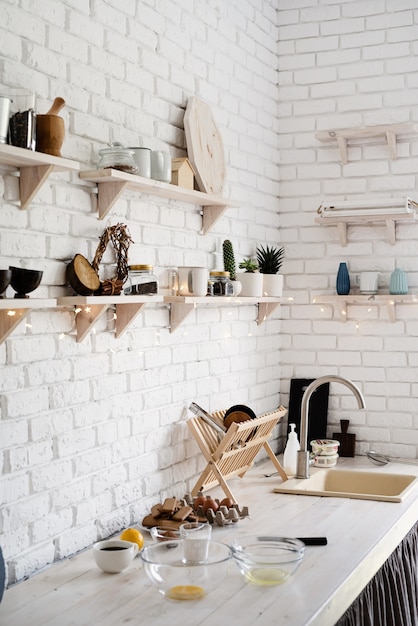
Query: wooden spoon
[(56, 106)]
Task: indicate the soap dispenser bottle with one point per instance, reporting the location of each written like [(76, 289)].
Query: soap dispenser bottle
[(290, 458)]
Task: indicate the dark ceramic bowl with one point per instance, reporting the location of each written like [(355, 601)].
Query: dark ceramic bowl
[(5, 278), (24, 281)]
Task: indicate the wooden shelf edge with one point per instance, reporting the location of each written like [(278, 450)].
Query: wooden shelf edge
[(389, 301), (22, 158)]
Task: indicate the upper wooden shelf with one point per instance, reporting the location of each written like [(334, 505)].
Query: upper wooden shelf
[(35, 167), (182, 306), (389, 131), (389, 211), (14, 310), (340, 303), (112, 183)]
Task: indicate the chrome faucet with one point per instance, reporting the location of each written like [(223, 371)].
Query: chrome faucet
[(303, 454)]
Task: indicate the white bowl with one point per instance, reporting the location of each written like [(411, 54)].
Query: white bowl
[(328, 460), (325, 446)]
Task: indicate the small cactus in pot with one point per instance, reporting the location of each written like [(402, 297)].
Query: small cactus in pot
[(229, 258)]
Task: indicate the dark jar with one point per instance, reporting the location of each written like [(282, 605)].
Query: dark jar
[(141, 281), (220, 284)]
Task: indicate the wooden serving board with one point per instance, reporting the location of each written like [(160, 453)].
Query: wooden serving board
[(204, 146)]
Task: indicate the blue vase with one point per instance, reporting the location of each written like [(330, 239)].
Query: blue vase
[(398, 284), (343, 280)]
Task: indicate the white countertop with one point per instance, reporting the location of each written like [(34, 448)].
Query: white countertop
[(361, 535)]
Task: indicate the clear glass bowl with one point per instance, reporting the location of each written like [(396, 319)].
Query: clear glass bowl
[(179, 580), (163, 533), (267, 561)]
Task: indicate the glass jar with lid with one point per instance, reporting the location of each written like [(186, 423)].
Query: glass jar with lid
[(141, 281), (220, 284), (118, 158)]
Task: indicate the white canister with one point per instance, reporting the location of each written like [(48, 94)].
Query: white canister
[(161, 166), (142, 157)]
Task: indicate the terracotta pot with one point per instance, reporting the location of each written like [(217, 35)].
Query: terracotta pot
[(50, 133)]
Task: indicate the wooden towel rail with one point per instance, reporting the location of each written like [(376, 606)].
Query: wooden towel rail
[(233, 454)]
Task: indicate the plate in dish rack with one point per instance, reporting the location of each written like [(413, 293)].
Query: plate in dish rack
[(204, 146)]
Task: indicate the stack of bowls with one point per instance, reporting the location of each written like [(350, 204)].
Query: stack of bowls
[(325, 451)]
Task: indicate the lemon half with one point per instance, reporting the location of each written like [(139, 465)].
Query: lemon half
[(134, 536)]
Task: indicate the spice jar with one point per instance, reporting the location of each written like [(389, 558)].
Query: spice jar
[(118, 158), (220, 284), (141, 281)]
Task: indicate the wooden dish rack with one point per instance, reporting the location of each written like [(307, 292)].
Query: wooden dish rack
[(234, 453)]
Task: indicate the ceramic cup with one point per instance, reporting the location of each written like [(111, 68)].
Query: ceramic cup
[(193, 281), (142, 157), (161, 166), (196, 537), (368, 282), (114, 555)]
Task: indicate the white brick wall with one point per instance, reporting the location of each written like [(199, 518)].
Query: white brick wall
[(92, 434), (358, 72)]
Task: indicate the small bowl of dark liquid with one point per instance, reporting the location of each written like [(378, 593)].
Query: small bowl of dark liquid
[(114, 555)]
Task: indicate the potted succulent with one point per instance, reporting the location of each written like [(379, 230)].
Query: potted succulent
[(251, 280), (229, 265), (270, 260)]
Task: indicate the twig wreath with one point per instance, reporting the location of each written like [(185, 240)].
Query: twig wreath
[(120, 239)]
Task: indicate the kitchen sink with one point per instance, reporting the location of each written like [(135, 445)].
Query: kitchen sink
[(363, 485)]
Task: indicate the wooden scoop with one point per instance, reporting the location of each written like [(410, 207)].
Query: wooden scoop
[(56, 106)]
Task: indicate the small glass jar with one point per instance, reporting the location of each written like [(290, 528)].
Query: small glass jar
[(220, 284), (141, 281), (118, 158)]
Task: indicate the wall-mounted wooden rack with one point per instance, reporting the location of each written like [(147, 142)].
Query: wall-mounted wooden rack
[(182, 306), (14, 310), (112, 183), (389, 132), (90, 308), (340, 303), (35, 167)]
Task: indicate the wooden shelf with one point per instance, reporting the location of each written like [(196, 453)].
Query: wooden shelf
[(182, 306), (112, 183), (35, 167), (92, 307), (342, 223), (14, 310), (339, 303), (389, 132)]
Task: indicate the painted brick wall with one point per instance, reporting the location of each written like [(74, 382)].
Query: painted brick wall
[(93, 433), (344, 65)]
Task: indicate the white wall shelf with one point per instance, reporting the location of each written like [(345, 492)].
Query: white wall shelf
[(112, 183), (14, 310), (90, 308), (182, 306), (340, 303), (389, 132), (35, 167), (388, 211)]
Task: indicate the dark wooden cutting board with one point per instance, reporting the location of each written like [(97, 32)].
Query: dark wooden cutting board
[(318, 408), (347, 440)]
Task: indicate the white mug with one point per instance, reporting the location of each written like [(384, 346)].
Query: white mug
[(142, 157), (368, 282), (193, 281), (161, 166), (114, 555)]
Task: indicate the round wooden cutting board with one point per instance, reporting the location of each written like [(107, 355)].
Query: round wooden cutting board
[(204, 146)]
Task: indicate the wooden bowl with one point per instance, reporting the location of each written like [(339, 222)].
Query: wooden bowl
[(238, 413), (50, 133)]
